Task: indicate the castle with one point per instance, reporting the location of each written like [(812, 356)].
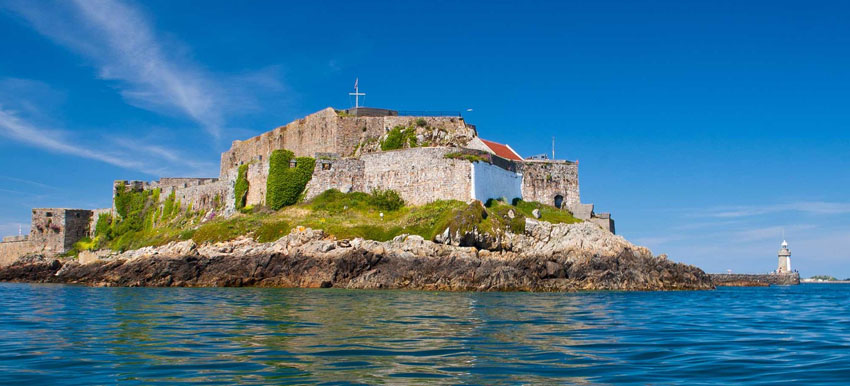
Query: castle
[(438, 157)]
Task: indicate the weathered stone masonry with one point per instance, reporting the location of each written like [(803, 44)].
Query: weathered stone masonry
[(348, 154)]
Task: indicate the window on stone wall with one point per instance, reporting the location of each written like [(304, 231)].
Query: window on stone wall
[(326, 166), (49, 214), (293, 163)]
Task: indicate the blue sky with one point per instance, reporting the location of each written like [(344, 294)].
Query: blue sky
[(705, 127)]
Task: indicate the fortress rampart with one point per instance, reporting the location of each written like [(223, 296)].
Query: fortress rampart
[(330, 131), (437, 158)]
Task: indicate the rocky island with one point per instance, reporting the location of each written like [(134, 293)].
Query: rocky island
[(358, 198)]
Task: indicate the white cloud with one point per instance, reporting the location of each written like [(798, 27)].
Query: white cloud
[(120, 41), (54, 140), (132, 154)]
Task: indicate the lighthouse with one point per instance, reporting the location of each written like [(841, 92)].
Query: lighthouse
[(784, 259)]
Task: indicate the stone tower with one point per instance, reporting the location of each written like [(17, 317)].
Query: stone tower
[(784, 259)]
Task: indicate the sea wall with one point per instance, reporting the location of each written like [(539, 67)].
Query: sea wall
[(749, 280), (14, 247)]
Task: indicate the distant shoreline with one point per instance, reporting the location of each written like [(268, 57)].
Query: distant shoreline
[(806, 281)]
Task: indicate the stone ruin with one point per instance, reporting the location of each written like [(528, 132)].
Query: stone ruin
[(444, 159)]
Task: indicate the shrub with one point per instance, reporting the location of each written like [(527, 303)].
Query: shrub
[(286, 184), (334, 201), (86, 244), (420, 122), (397, 137), (386, 199), (240, 189)]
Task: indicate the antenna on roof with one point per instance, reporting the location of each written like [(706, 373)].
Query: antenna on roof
[(357, 94), (553, 147)]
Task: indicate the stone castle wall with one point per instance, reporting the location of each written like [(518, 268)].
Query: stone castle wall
[(56, 230), (544, 180), (201, 193), (201, 197), (13, 249), (419, 175), (329, 132), (304, 137), (345, 174)]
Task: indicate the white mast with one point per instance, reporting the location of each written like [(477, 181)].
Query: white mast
[(357, 93)]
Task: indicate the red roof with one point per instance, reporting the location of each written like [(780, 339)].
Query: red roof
[(501, 150)]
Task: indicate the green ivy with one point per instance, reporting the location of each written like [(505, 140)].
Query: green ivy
[(135, 209), (168, 206), (240, 190), (397, 137), (286, 184), (103, 226)]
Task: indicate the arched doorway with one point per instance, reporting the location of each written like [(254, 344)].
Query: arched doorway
[(559, 200)]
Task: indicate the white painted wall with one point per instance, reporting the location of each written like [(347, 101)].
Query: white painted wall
[(489, 181)]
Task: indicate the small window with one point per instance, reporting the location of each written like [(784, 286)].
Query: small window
[(559, 200), (49, 214), (293, 163), (326, 166)]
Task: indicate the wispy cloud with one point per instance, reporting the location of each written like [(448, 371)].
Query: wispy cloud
[(120, 41), (810, 207), (54, 140), (28, 182), (133, 154)]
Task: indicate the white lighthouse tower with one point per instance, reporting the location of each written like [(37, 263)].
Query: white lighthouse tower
[(784, 259)]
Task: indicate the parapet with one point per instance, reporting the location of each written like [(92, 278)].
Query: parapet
[(13, 239)]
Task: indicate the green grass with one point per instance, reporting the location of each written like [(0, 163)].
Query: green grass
[(547, 213), (345, 216)]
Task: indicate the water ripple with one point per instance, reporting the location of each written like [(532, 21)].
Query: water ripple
[(758, 336)]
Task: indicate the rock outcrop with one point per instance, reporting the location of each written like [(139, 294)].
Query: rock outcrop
[(546, 258)]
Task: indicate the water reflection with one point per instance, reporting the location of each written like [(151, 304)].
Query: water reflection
[(242, 335)]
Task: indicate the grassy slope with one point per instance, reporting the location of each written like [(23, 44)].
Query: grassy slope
[(353, 215)]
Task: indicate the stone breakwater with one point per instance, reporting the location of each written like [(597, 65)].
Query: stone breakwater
[(750, 280), (546, 258)]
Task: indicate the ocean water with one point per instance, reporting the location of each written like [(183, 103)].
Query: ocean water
[(55, 334)]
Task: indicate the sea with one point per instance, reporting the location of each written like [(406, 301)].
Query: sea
[(61, 334)]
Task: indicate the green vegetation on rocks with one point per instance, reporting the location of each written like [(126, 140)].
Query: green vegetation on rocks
[(397, 138), (285, 184), (379, 216), (240, 189)]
